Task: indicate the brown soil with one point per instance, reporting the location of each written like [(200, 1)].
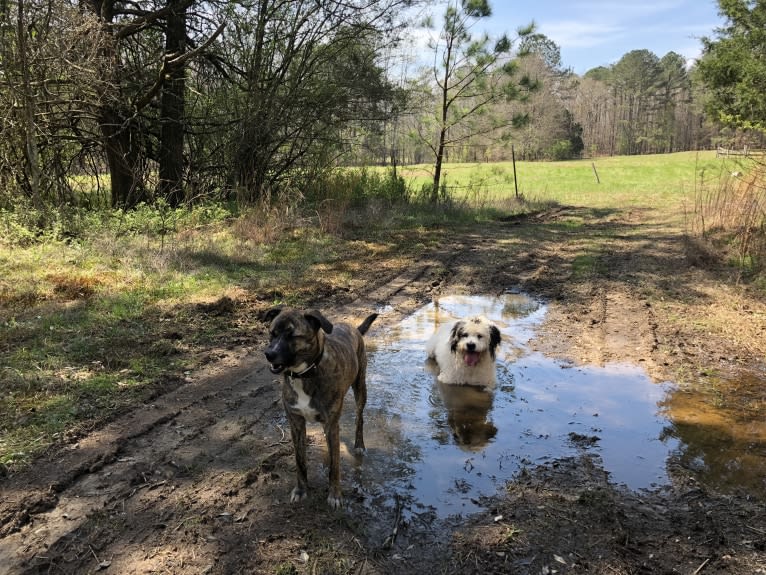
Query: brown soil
[(197, 482)]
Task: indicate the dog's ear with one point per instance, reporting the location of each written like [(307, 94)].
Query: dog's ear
[(317, 320), (270, 314), (454, 335), (494, 339)]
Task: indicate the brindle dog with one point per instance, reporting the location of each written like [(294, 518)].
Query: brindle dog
[(320, 361)]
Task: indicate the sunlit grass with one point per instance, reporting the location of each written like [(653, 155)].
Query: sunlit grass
[(660, 180), (92, 326)]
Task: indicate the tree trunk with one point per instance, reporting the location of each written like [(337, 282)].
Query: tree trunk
[(118, 126), (443, 125), (31, 148), (123, 157), (438, 166), (172, 112)]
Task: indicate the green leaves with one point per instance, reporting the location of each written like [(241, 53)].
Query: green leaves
[(733, 66), (503, 45), (477, 8)]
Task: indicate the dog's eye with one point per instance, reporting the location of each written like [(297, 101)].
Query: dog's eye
[(479, 336)]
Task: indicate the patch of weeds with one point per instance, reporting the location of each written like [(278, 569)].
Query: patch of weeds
[(570, 224), (511, 533), (715, 394), (326, 554), (285, 569), (163, 348), (584, 266), (73, 286), (759, 283)]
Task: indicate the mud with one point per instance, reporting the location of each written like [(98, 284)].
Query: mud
[(198, 481)]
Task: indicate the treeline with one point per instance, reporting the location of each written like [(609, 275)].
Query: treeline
[(643, 104), (114, 103)]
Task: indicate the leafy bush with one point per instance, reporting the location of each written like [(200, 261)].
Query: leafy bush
[(561, 150), (355, 187), (15, 229), (159, 219), (24, 226)]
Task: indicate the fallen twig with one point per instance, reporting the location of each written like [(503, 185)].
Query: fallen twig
[(701, 567), (391, 539), (184, 520)]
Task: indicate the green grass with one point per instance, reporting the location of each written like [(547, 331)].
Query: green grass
[(92, 327), (624, 181)]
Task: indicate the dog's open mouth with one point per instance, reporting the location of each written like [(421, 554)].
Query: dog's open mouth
[(471, 358), (276, 368)]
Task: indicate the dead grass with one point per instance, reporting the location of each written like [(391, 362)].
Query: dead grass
[(264, 224), (729, 219), (73, 286)]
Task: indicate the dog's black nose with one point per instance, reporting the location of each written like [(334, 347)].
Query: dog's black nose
[(470, 346), (270, 355)]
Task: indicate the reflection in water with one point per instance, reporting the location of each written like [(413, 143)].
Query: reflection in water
[(467, 409), (724, 446), (440, 448)]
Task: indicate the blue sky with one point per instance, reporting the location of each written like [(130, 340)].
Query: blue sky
[(594, 33)]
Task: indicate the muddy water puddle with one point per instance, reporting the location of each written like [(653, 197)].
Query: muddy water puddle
[(440, 448)]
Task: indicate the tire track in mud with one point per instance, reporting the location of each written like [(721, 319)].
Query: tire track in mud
[(607, 337), (603, 317), (141, 452), (212, 451)]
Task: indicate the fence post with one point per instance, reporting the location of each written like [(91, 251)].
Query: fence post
[(515, 183)]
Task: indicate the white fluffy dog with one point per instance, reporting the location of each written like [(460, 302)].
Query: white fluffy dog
[(465, 351)]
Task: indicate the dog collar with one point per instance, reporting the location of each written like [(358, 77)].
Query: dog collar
[(310, 371)]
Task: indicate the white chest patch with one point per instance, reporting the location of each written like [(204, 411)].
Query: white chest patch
[(302, 402)]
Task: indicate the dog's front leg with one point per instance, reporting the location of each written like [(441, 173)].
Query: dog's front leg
[(332, 434), (298, 433)]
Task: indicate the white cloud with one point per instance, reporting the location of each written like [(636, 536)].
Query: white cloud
[(581, 34)]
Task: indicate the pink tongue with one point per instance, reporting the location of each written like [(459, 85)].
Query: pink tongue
[(471, 358)]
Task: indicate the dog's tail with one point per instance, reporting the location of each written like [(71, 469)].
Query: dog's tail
[(365, 325)]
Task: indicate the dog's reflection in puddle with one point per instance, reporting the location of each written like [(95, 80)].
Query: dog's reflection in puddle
[(467, 408)]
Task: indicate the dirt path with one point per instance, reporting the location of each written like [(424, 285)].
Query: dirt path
[(197, 482)]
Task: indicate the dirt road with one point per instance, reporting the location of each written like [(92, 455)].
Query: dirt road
[(197, 481)]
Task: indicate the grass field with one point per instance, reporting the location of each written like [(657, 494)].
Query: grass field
[(90, 326), (614, 181)]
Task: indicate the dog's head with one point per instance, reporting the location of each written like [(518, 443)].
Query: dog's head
[(296, 338), (473, 337)]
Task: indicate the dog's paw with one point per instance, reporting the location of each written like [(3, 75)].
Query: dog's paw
[(298, 494), (334, 500)]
